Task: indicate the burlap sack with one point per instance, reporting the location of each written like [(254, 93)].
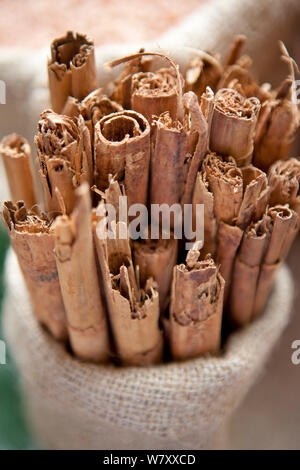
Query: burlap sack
[(72, 405)]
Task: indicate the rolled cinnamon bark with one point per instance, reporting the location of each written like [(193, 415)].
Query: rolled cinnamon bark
[(228, 241), (76, 264), (144, 89), (196, 308), (156, 259), (233, 125), (71, 69), (65, 158), (226, 183), (198, 116), (154, 93), (284, 181), (122, 86), (255, 195), (203, 195), (277, 127), (202, 71), (246, 271), (92, 108), (279, 120), (122, 149), (31, 235), (133, 312), (284, 227), (255, 198), (178, 152), (219, 186), (16, 156), (168, 160)]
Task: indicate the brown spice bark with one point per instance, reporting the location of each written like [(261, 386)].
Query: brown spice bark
[(133, 312), (196, 308), (233, 125), (65, 158), (31, 235), (156, 259), (284, 181), (71, 69), (16, 156), (122, 149), (77, 270)]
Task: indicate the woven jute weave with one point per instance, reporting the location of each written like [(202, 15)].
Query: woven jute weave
[(72, 405)]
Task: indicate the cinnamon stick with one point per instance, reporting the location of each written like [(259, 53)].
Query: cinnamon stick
[(122, 149), (156, 259), (154, 93), (71, 69), (233, 125), (168, 159), (284, 181), (198, 118), (64, 156), (246, 271), (31, 235), (178, 151), (196, 308), (284, 228), (92, 108), (279, 121), (228, 241), (277, 127), (203, 70), (76, 264), (256, 195), (122, 86), (133, 312), (146, 94), (16, 156), (219, 186)]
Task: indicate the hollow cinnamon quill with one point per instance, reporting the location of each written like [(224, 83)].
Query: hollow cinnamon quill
[(122, 149), (178, 149), (122, 86), (92, 108), (196, 308), (16, 156), (219, 186), (133, 312), (284, 181), (233, 198), (78, 277), (156, 259), (278, 122), (233, 125), (246, 271), (71, 69), (32, 237), (65, 158), (284, 227), (154, 93), (254, 201)]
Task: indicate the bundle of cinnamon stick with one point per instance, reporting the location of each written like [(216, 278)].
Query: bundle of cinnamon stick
[(108, 274)]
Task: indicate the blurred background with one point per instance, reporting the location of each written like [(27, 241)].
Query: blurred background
[(270, 416)]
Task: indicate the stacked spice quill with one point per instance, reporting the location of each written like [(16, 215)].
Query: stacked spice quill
[(113, 259)]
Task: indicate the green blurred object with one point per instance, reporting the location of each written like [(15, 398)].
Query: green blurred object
[(14, 433)]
